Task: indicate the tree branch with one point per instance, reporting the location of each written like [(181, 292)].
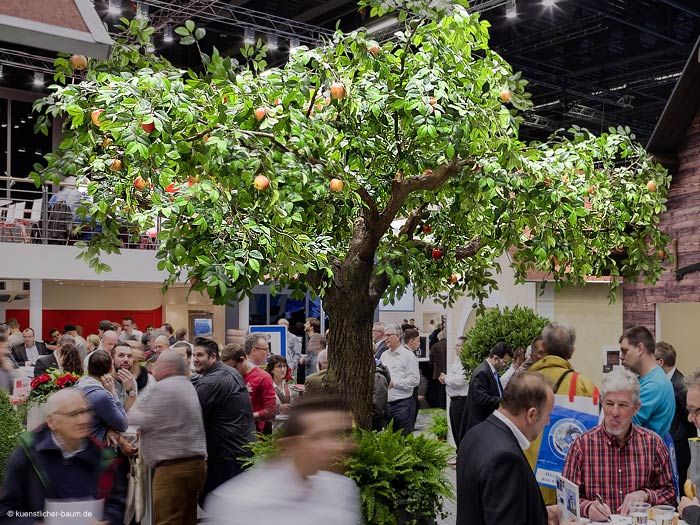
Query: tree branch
[(313, 99), (413, 220)]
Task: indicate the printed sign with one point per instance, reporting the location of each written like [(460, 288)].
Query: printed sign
[(568, 500), (276, 337)]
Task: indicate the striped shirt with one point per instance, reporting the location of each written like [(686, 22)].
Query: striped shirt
[(170, 421), (600, 464)]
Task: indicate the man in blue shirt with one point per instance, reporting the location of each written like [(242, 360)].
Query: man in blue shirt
[(658, 403)]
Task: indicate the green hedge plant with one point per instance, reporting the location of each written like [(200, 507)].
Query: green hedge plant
[(10, 428), (516, 327)]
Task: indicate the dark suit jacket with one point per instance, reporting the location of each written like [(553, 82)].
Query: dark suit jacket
[(483, 397), (438, 358), (495, 484), (20, 353), (44, 363), (381, 348), (681, 428)]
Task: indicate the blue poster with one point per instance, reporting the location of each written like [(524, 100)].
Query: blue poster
[(565, 425)]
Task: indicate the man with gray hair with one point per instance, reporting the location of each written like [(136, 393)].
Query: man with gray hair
[(293, 348), (690, 508), (619, 461), (405, 376), (172, 440), (378, 339)]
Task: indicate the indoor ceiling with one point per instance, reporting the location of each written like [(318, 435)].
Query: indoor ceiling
[(594, 63)]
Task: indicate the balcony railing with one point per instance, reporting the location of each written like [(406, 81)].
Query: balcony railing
[(48, 215)]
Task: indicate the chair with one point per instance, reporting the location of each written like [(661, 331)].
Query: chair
[(34, 219), (15, 213)]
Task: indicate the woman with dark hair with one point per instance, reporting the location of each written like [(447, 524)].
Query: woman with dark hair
[(286, 396), (70, 359)]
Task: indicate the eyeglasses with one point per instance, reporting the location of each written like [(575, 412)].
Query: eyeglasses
[(261, 348), (695, 412), (75, 413)]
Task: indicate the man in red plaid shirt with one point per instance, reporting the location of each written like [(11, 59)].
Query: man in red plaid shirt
[(621, 462)]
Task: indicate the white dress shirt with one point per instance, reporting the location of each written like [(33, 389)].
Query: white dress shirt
[(670, 373), (456, 383), (522, 440), (506, 377), (32, 353), (324, 498), (403, 368)]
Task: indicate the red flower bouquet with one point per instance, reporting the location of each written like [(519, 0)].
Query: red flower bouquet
[(50, 382)]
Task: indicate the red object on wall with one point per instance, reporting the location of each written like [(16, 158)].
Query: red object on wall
[(88, 319)]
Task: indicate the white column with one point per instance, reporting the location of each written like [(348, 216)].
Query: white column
[(3, 313), (36, 306), (243, 313)]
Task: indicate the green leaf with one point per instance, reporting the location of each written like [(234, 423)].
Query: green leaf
[(189, 25), (182, 31)]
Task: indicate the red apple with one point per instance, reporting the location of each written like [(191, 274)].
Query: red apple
[(172, 188), (454, 278), (192, 180), (148, 127), (139, 183), (336, 185), (260, 113), (437, 253), (505, 96), (261, 183), (651, 186), (78, 62), (661, 254), (95, 116), (427, 229), (338, 90), (374, 48)]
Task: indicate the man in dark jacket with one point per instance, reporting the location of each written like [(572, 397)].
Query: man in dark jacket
[(485, 389), (227, 414), (60, 461), (29, 350), (495, 484)]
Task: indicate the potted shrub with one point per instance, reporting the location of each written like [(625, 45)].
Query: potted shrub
[(516, 327), (43, 386), (10, 428), (438, 425)]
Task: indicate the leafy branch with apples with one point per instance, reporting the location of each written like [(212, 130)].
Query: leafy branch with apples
[(354, 170)]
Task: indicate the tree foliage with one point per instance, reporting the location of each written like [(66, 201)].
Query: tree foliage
[(516, 327), (436, 183)]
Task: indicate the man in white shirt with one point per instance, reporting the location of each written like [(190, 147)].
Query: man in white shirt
[(457, 387), (405, 376), (306, 491), (129, 331), (80, 342), (293, 348)]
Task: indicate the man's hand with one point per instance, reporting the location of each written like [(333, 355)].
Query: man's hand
[(112, 438), (108, 383), (442, 378), (687, 502), (599, 511), (127, 379), (554, 517), (637, 496)]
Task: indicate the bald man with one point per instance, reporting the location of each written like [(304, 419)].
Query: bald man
[(73, 466), (160, 344), (172, 440), (109, 341)]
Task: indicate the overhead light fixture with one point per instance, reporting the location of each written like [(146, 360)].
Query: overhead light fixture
[(249, 36), (1, 71), (549, 3), (293, 44), (141, 11), (511, 9), (272, 41), (114, 7), (168, 34), (38, 79), (386, 23)]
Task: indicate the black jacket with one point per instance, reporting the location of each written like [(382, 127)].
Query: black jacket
[(20, 353), (495, 484), (381, 348), (483, 397), (227, 412), (87, 475), (681, 428), (44, 363)]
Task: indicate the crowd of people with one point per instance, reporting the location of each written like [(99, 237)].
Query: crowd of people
[(199, 406)]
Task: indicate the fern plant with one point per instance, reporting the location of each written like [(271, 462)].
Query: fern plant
[(516, 327), (438, 425)]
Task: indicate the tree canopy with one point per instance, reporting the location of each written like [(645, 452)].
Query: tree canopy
[(420, 131)]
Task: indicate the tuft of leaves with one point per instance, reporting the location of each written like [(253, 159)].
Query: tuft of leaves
[(10, 428)]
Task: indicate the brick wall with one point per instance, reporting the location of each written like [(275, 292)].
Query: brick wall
[(682, 223)]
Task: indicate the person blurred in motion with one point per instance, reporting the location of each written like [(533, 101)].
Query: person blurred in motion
[(226, 411), (380, 395), (144, 380), (172, 441), (7, 364), (315, 439), (59, 461), (689, 508), (65, 358), (185, 350)]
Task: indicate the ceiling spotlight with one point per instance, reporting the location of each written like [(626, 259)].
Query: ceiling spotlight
[(150, 47), (168, 34), (141, 11), (293, 43), (249, 36), (271, 42), (1, 72), (114, 7), (549, 3), (511, 9), (38, 79)]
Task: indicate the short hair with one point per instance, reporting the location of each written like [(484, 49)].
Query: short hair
[(180, 334), (233, 352), (93, 339), (410, 333), (379, 327), (322, 358), (127, 318), (250, 341), (146, 338), (12, 323), (65, 339), (168, 327), (28, 329), (105, 325), (536, 340), (559, 340), (692, 379), (620, 380), (59, 398), (69, 328), (120, 344), (187, 346), (442, 334), (210, 346), (52, 330), (99, 363), (393, 328), (501, 350), (639, 334), (322, 342), (666, 352), (275, 360), (524, 391), (309, 405), (314, 323), (171, 357), (283, 321)]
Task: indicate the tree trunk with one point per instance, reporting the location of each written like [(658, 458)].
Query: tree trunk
[(350, 350)]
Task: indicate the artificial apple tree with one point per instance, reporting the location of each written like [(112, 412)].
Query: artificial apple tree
[(354, 170)]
